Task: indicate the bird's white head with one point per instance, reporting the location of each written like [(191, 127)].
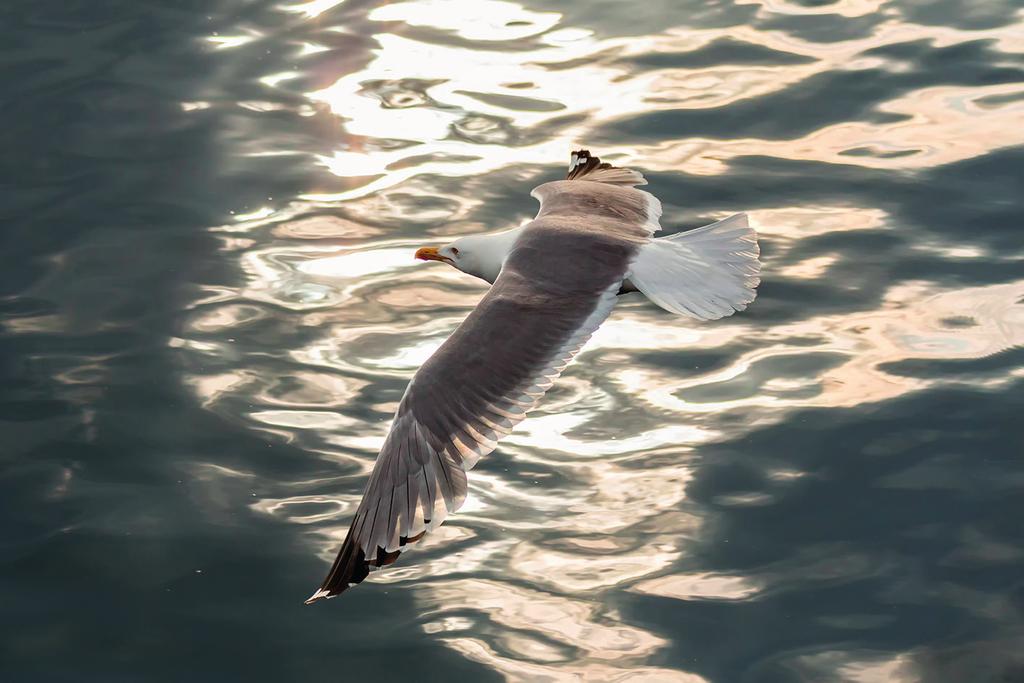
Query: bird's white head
[(478, 255)]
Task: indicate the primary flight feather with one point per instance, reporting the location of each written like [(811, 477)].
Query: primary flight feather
[(554, 280)]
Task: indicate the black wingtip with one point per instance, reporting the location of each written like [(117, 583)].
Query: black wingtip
[(351, 567), (582, 162), (585, 166)]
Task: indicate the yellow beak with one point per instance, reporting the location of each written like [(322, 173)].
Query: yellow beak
[(431, 254)]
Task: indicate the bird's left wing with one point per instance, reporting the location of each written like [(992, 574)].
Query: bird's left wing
[(556, 287)]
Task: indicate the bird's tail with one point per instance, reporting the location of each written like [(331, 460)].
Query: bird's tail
[(707, 273)]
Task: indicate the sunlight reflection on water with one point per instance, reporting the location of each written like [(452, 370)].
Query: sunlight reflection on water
[(458, 102)]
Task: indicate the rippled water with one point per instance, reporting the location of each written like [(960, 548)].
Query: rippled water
[(210, 310)]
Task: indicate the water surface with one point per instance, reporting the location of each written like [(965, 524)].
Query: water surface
[(209, 311)]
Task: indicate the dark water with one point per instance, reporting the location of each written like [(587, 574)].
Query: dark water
[(208, 311)]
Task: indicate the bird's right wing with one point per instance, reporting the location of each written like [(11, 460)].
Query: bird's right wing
[(601, 198)]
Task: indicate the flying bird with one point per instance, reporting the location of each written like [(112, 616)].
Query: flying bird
[(554, 281)]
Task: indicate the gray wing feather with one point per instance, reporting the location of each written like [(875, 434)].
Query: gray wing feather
[(595, 205)]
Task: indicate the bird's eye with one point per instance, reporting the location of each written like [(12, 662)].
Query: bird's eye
[(455, 251)]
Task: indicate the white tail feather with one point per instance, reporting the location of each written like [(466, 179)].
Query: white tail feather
[(707, 273)]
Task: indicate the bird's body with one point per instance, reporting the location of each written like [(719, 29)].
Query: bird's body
[(554, 281)]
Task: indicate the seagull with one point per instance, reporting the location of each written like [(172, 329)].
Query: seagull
[(553, 281)]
